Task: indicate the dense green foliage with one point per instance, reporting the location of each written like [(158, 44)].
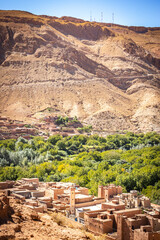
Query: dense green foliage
[(84, 129), (130, 160), (64, 120)]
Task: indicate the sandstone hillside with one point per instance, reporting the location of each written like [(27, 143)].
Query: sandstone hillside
[(106, 75)]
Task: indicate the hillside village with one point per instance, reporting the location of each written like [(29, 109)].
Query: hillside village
[(45, 126), (118, 215)]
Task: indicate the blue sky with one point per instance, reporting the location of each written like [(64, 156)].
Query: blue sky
[(126, 12)]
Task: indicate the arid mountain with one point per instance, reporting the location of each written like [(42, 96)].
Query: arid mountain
[(106, 75)]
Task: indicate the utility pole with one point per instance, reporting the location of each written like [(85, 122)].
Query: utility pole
[(112, 18), (90, 16), (101, 16)]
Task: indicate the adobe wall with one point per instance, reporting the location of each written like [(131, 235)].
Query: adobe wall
[(109, 191), (82, 200), (3, 185), (10, 183), (140, 235), (27, 186), (38, 194), (31, 180), (99, 200), (155, 223), (26, 194), (112, 191), (137, 222), (97, 214), (100, 226), (83, 191), (146, 203), (129, 225), (7, 184), (56, 192), (80, 215), (101, 192), (127, 213), (64, 198), (111, 206), (123, 232), (140, 227), (119, 190), (92, 214), (87, 204), (22, 198)]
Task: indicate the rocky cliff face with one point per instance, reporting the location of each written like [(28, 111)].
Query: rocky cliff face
[(106, 75)]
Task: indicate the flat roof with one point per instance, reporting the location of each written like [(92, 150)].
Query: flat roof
[(127, 210), (90, 208), (82, 196), (114, 204)]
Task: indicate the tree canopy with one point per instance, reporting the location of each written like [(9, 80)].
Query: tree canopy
[(130, 160)]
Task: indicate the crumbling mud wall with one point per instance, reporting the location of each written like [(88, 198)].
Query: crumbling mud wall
[(5, 209)]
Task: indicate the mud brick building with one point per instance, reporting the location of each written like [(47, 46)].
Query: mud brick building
[(121, 216), (109, 191), (140, 227)]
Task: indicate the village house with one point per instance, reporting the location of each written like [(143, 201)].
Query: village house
[(121, 216)]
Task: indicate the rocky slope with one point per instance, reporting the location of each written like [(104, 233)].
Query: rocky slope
[(106, 75), (24, 223)]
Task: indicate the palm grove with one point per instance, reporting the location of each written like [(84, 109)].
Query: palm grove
[(130, 160)]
